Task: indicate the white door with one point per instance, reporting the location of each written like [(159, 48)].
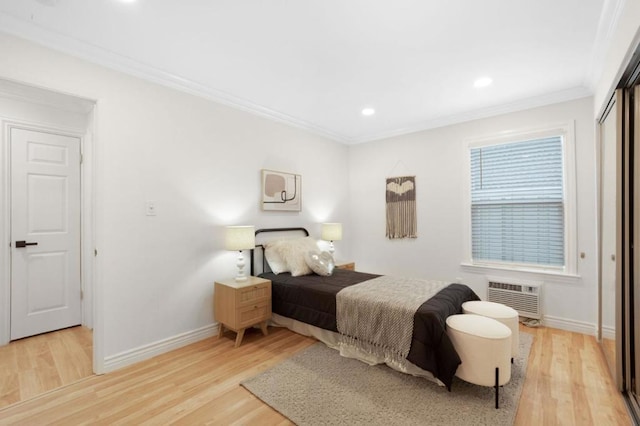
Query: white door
[(45, 232)]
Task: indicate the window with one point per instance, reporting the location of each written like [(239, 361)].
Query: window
[(520, 210)]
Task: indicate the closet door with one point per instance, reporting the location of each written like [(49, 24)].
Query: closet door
[(610, 210), (627, 236), (633, 362), (630, 236)]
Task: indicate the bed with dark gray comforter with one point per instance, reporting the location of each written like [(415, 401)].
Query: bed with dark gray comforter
[(311, 299)]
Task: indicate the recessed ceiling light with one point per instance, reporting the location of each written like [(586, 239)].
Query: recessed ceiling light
[(482, 82), (368, 111)]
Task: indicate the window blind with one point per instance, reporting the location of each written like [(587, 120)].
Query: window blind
[(517, 202)]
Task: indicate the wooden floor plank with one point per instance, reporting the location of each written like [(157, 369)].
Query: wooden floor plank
[(567, 383), (44, 362)]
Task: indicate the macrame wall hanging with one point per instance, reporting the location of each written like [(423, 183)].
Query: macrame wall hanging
[(401, 207)]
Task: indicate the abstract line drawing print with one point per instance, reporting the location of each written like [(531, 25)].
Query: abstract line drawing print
[(281, 191)]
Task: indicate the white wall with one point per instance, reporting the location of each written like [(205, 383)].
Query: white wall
[(436, 158), (200, 162)]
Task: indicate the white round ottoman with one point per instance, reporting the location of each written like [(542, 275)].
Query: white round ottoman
[(499, 312), (484, 346)]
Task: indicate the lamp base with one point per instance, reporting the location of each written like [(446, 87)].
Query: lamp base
[(240, 264), (331, 248)]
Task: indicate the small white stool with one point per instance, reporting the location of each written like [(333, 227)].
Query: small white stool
[(499, 312), (484, 346)]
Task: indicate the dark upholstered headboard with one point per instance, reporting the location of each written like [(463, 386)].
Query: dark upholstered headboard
[(281, 232)]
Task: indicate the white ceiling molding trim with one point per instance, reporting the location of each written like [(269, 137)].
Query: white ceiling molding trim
[(27, 93), (609, 19), (100, 56), (521, 105), (322, 91)]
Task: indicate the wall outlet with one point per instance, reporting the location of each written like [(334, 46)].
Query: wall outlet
[(150, 208)]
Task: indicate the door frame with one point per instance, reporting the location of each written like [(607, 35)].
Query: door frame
[(90, 315)]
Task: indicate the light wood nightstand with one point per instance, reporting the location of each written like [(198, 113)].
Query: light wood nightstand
[(346, 265), (240, 305)]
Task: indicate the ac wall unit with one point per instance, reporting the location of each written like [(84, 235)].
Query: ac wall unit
[(523, 297)]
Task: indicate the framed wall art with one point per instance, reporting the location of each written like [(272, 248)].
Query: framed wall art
[(281, 191)]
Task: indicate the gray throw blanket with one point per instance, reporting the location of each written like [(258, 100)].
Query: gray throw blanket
[(377, 315)]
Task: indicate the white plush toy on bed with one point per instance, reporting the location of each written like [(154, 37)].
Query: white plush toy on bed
[(320, 262)]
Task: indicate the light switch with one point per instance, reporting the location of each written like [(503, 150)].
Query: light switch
[(150, 208)]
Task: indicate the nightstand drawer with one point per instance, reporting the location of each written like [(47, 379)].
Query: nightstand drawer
[(254, 294), (252, 314)]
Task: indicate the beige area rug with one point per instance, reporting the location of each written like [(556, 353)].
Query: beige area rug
[(319, 387)]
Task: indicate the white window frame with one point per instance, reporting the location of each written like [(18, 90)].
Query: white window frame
[(567, 132)]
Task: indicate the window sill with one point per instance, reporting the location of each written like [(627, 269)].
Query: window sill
[(532, 273)]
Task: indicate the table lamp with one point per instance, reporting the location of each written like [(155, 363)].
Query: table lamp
[(331, 232), (240, 238)]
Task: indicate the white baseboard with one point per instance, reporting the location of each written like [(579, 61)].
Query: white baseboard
[(608, 332), (123, 359), (569, 325)]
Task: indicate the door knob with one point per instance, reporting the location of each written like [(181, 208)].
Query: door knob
[(20, 244)]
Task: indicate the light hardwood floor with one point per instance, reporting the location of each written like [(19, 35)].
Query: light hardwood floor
[(567, 384), (32, 366)]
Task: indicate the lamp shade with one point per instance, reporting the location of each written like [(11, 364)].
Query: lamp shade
[(332, 231), (240, 238)]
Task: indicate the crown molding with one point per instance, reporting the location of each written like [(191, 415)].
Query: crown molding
[(97, 55), (520, 105), (22, 93), (120, 63), (609, 18)]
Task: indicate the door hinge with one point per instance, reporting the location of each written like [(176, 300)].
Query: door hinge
[(81, 294), (95, 252), (81, 158)]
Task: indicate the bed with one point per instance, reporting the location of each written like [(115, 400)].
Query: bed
[(376, 319)]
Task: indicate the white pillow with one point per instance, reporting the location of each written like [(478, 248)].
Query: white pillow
[(276, 263), (293, 252), (320, 262)]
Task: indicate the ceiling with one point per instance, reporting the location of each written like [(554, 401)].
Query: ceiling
[(316, 64)]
